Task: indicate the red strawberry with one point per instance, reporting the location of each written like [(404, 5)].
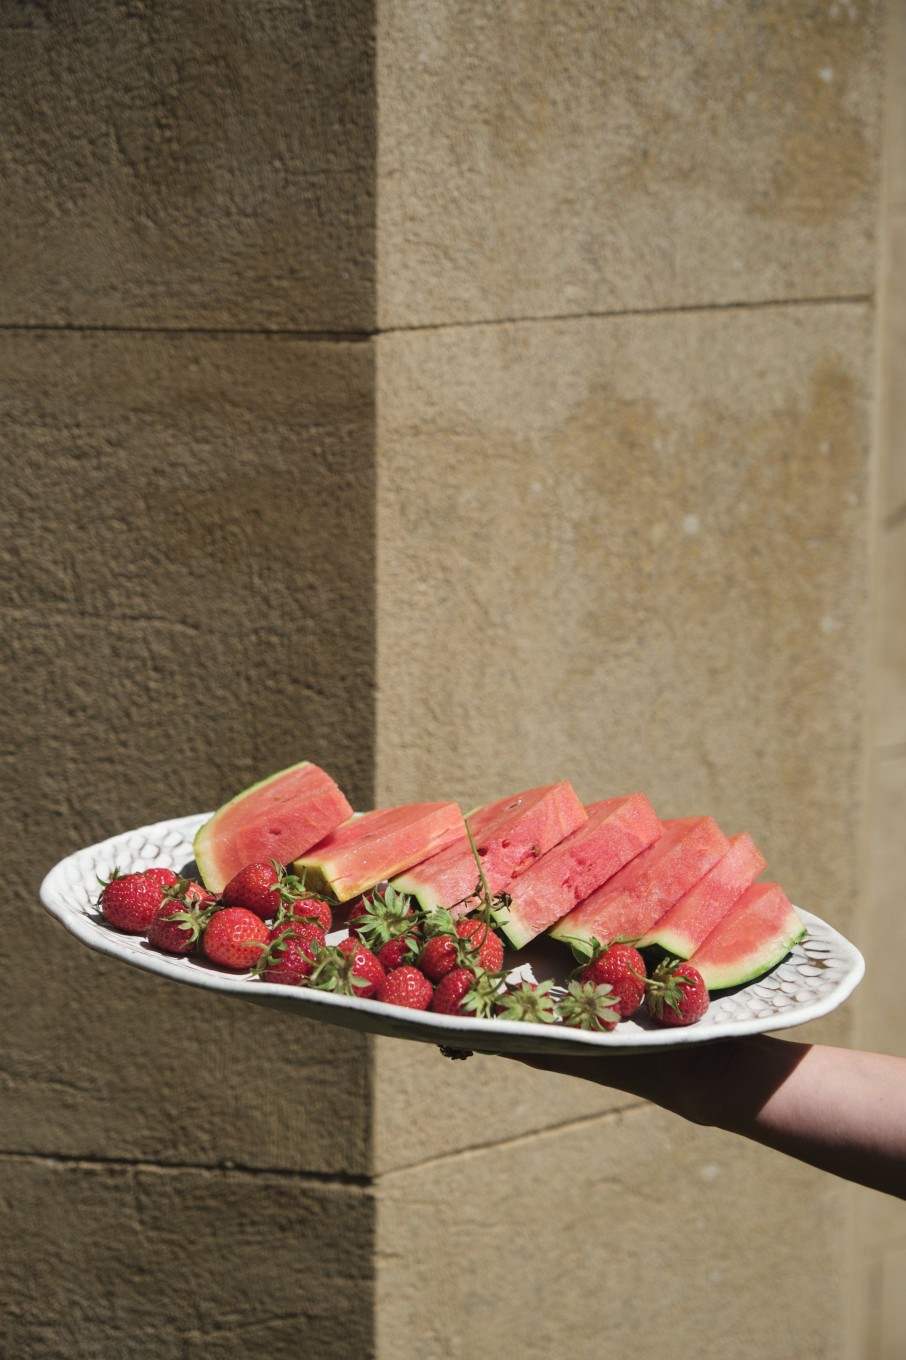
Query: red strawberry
[(235, 938), (622, 969), (474, 946), (405, 986), (348, 968), (365, 965), (302, 927), (290, 957), (676, 994), (308, 909), (397, 952), (165, 877), (180, 919), (130, 901), (462, 992), (254, 888), (484, 947), (451, 992)]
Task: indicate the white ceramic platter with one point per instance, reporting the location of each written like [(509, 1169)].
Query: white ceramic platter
[(813, 980)]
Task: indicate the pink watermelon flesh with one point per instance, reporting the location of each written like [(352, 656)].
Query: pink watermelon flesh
[(683, 928), (756, 934), (617, 830), (378, 845), (510, 835), (278, 818), (628, 906)]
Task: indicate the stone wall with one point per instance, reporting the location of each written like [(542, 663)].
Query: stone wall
[(462, 396)]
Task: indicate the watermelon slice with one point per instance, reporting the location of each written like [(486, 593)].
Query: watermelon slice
[(278, 818), (628, 906), (617, 830), (510, 835), (682, 929), (378, 845), (756, 934)]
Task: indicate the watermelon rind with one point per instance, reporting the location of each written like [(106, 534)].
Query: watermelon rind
[(725, 962), (211, 853)]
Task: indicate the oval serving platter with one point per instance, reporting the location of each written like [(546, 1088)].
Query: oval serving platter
[(819, 974)]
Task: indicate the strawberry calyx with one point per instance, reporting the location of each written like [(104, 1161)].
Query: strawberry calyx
[(588, 1005), (483, 995), (528, 1002), (291, 888), (388, 916)]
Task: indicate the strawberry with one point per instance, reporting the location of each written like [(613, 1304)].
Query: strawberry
[(302, 927), (235, 938), (588, 1005), (254, 889), (472, 945), (530, 1002), (290, 957), (463, 992), (130, 901), (622, 969), (401, 950), (181, 918), (307, 909), (348, 968), (405, 986), (676, 994), (165, 877), (297, 900)]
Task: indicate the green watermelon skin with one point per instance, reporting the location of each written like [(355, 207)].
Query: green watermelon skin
[(378, 845), (617, 830), (684, 926), (752, 938), (510, 835), (629, 904), (278, 818)]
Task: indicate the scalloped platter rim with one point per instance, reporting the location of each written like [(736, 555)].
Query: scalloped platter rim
[(819, 974)]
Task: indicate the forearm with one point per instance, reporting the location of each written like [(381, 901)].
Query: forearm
[(839, 1110)]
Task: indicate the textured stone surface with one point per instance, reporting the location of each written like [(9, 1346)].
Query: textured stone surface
[(541, 160), (632, 553), (893, 392), (188, 165), (181, 621), (118, 1263), (621, 1233), (427, 1106)]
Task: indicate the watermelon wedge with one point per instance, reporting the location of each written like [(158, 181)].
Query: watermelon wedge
[(628, 906), (278, 818), (683, 928), (617, 830), (756, 934), (378, 845), (510, 835)]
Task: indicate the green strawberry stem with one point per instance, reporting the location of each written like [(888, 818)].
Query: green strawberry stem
[(485, 890)]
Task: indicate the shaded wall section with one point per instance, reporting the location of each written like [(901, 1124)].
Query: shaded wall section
[(186, 382)]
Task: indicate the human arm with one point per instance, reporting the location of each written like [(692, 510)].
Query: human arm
[(838, 1109)]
